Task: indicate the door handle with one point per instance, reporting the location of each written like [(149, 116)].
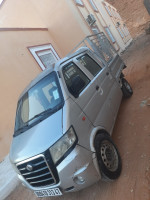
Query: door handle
[(99, 89)]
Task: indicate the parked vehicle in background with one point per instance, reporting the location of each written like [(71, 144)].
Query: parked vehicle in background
[(65, 118)]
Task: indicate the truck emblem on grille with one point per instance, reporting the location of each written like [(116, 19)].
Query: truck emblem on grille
[(29, 168)]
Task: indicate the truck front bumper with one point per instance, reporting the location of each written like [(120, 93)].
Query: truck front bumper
[(77, 171)]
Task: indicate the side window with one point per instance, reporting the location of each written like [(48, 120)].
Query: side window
[(89, 64), (75, 79)]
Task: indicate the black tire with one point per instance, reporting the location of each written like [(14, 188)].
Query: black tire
[(126, 88), (108, 157)]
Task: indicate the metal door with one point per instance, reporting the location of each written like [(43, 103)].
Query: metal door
[(96, 101)]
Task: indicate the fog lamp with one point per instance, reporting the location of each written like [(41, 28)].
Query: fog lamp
[(79, 180)]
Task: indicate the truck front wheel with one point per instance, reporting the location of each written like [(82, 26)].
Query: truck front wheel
[(108, 157)]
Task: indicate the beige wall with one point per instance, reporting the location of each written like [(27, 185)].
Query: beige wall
[(63, 23), (17, 69), (19, 13), (65, 20)]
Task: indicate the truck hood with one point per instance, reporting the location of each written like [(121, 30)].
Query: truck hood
[(37, 139)]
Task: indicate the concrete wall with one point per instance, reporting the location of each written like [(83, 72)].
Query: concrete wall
[(8, 178), (17, 69)]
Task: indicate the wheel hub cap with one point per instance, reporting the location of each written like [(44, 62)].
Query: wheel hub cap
[(109, 155)]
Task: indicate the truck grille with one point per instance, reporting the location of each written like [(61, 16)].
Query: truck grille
[(36, 171)]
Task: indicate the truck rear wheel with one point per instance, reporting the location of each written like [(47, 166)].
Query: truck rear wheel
[(126, 88), (108, 157)]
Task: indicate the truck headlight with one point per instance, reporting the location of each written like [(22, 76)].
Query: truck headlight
[(63, 145)]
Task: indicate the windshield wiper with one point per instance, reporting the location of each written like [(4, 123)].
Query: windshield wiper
[(50, 110), (27, 125), (44, 113), (21, 129)]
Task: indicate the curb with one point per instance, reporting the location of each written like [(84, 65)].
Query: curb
[(8, 178)]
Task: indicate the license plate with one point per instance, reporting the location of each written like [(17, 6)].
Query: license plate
[(48, 192)]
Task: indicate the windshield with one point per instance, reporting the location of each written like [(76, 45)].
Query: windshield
[(41, 100)]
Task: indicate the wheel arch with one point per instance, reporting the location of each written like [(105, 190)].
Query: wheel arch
[(96, 131)]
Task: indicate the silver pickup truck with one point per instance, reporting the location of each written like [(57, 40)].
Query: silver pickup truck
[(65, 118)]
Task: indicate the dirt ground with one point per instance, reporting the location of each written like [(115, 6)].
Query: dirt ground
[(131, 134)]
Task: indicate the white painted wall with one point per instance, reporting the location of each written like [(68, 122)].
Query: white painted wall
[(8, 178)]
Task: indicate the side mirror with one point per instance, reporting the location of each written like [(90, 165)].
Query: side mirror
[(77, 85)]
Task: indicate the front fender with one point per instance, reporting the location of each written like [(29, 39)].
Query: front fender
[(94, 132)]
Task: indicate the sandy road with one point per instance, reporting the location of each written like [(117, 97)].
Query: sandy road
[(131, 134)]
